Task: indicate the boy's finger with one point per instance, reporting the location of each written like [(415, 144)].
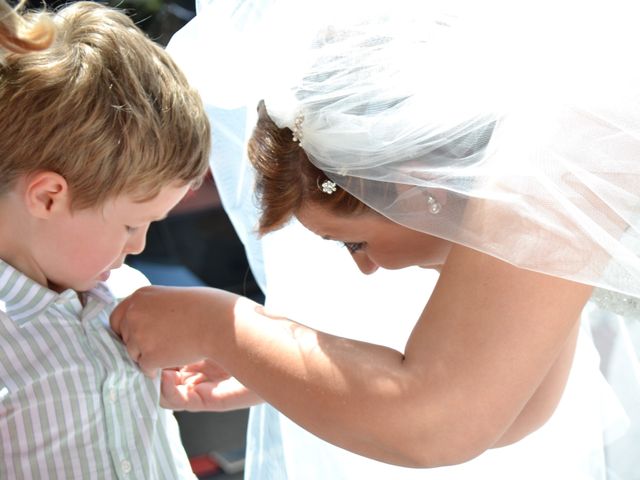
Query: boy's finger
[(171, 397)]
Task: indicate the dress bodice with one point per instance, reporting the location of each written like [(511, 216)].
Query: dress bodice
[(618, 303)]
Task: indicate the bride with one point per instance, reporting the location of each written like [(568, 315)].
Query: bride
[(501, 153)]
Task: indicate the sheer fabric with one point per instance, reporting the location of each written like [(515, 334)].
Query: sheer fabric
[(523, 121), (237, 53)]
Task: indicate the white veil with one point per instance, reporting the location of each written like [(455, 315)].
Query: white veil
[(522, 121), (228, 50)]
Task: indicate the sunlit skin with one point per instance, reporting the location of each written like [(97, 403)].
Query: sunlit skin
[(375, 241), (66, 248), (484, 366)]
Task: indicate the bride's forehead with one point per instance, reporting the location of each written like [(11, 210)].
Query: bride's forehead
[(315, 217), (329, 224)]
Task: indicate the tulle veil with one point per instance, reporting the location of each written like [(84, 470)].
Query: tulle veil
[(523, 121)]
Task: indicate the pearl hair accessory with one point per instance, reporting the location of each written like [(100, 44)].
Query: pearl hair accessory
[(433, 205), (297, 128)]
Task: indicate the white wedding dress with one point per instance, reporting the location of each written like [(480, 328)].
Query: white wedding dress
[(570, 446), (588, 437)]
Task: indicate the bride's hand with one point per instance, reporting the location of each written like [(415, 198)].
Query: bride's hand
[(204, 386), (167, 326)]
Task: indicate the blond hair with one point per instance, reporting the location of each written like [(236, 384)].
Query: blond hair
[(18, 34), (104, 107)]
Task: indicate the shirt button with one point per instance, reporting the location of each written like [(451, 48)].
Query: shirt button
[(113, 395), (125, 465)]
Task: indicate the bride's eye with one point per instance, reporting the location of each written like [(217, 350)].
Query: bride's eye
[(353, 247)]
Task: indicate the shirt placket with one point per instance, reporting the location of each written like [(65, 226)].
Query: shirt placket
[(124, 447)]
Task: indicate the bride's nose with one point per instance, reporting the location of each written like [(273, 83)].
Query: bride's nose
[(364, 263)]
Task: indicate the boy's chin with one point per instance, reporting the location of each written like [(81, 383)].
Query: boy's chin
[(82, 286)]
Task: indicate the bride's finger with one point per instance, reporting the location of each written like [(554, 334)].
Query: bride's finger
[(172, 396), (192, 378)]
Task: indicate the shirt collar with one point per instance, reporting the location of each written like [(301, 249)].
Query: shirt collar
[(22, 298)]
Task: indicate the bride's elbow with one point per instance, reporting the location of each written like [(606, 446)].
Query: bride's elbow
[(451, 455), (458, 435), (459, 441), (444, 448)]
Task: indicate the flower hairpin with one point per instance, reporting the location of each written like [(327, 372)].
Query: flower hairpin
[(328, 187), (297, 128)]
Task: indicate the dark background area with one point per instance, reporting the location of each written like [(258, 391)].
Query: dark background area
[(195, 245), (160, 19)]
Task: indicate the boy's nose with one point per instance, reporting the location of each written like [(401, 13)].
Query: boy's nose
[(136, 242), (364, 263)]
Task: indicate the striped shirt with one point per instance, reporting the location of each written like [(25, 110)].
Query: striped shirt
[(72, 403)]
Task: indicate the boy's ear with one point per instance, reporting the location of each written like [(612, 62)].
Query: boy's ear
[(45, 193)]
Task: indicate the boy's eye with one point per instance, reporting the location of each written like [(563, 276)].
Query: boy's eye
[(353, 247)]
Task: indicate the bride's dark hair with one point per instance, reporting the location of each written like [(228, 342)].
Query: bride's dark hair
[(286, 179)]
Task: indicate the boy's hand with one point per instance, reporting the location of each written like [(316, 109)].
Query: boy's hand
[(167, 326), (204, 386)]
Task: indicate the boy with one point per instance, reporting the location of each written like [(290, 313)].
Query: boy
[(100, 134)]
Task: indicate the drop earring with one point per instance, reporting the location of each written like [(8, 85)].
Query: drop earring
[(433, 205)]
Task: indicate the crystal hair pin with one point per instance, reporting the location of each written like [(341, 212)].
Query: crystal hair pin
[(328, 187), (297, 128)]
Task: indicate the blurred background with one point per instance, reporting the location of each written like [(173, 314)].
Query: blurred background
[(195, 245)]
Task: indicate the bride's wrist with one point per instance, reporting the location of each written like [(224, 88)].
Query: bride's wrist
[(218, 331)]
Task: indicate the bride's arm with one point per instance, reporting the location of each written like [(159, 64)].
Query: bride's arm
[(485, 342)]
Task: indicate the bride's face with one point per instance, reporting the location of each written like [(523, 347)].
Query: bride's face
[(375, 241)]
